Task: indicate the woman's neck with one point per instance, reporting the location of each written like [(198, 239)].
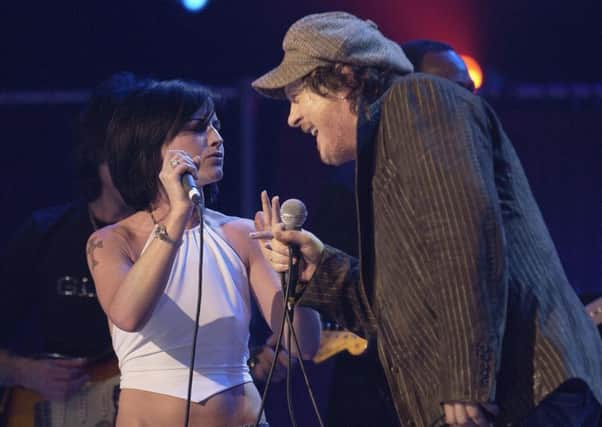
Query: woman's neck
[(160, 210)]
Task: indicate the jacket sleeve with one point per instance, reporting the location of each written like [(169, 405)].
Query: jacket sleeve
[(439, 139), (335, 291)]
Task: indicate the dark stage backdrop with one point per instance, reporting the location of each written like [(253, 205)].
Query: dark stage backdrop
[(73, 45), (561, 151)]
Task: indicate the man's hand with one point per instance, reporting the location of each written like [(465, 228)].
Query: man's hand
[(262, 361), (54, 379), (275, 243), (469, 414)]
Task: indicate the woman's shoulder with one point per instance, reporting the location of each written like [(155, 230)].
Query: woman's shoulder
[(228, 222), (235, 231), (126, 234)]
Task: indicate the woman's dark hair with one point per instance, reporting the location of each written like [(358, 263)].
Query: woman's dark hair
[(94, 119), (148, 117), (366, 84)]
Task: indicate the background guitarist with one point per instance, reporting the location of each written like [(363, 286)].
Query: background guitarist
[(51, 325)]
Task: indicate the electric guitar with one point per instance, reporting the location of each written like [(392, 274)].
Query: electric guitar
[(594, 309), (335, 341), (94, 405)]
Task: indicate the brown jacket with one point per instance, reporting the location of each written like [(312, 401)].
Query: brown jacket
[(458, 277)]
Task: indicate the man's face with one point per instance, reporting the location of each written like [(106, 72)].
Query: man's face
[(328, 119), (449, 65)]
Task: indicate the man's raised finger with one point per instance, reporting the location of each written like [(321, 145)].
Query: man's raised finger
[(267, 209), (276, 210)]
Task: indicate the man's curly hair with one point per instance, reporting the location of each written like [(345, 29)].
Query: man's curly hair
[(366, 84)]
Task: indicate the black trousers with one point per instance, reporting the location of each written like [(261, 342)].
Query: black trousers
[(571, 405)]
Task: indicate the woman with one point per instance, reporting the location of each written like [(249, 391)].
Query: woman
[(145, 268)]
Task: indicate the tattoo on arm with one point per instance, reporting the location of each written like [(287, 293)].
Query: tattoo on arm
[(93, 244)]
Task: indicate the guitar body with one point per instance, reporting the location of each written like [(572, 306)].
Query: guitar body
[(21, 407), (26, 408)]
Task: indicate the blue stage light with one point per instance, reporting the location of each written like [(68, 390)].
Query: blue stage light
[(194, 5)]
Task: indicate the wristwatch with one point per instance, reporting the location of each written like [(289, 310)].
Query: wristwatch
[(161, 234)]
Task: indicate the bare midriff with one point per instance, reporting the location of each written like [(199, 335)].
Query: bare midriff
[(234, 407)]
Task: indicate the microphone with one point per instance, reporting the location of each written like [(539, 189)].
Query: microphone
[(293, 214), (191, 189)]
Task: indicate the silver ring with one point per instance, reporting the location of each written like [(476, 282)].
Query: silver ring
[(174, 163)]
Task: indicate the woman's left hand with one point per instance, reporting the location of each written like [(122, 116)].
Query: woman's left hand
[(175, 164)]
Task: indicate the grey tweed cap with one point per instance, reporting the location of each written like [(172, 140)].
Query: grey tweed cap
[(326, 38)]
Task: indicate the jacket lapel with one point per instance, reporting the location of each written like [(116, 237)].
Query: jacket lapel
[(367, 130)]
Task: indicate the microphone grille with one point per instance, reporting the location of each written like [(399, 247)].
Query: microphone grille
[(293, 214)]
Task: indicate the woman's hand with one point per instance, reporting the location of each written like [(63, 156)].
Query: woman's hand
[(175, 164)]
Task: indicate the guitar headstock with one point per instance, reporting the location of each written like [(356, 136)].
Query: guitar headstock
[(335, 341)]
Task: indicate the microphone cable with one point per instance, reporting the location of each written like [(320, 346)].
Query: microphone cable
[(268, 381), (288, 314), (199, 209), (289, 304)]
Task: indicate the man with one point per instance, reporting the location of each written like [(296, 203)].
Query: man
[(53, 329), (439, 59), (358, 381), (457, 276)]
